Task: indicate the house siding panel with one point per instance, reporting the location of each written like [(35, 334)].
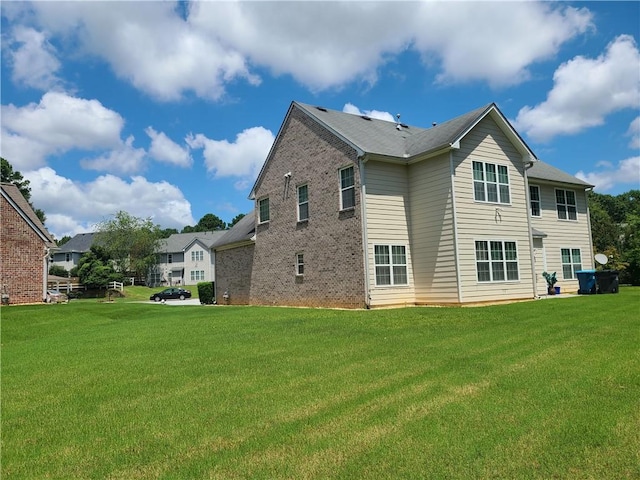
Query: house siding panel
[(432, 236), (387, 206), (491, 221), (22, 258), (331, 240)]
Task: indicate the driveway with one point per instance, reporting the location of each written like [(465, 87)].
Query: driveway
[(188, 301)]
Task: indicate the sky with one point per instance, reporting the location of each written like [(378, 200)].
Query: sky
[(167, 110)]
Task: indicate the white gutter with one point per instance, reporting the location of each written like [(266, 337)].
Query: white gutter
[(365, 237), (586, 198), (45, 264), (527, 165)]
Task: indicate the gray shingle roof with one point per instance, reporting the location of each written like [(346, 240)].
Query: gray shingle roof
[(240, 232), (543, 171), (180, 241), (80, 243), (15, 196)]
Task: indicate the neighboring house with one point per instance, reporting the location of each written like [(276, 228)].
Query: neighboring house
[(352, 211), (186, 259), (234, 261), (68, 255), (25, 246)]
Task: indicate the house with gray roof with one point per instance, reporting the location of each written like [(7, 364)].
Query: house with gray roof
[(25, 245), (186, 259), (351, 211), (68, 255)]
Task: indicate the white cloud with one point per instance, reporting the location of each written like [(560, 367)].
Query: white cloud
[(351, 108), (32, 58), (634, 133), (74, 207), (626, 173), (322, 45), (58, 123), (242, 158), (585, 91), (125, 159), (166, 150)]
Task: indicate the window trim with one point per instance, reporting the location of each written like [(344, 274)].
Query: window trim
[(260, 201), (485, 182), (300, 264), (490, 261), (300, 204), (538, 201), (571, 265), (344, 189), (194, 277), (566, 204), (391, 265), (197, 255)]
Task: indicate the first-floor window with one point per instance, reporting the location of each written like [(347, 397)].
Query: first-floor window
[(263, 210), (496, 261), (390, 264), (299, 264), (197, 275), (571, 262)]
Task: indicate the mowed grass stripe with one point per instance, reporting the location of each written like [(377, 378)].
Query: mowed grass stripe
[(531, 390)]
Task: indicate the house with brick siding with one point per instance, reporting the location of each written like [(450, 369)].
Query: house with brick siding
[(351, 211), (25, 245)]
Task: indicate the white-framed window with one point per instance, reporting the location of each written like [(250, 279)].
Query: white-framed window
[(169, 258), (197, 275), (303, 203), (390, 264), (534, 200), (347, 188), (263, 210), (491, 183), (496, 261), (299, 264), (566, 204), (571, 262), (197, 255)]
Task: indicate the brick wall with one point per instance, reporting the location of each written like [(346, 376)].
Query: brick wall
[(21, 257), (331, 240), (233, 275)]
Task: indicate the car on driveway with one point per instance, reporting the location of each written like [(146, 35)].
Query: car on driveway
[(171, 293)]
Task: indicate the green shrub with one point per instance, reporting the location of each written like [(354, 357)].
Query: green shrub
[(205, 292), (58, 271)]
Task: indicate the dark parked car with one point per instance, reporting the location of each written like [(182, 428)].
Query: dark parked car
[(169, 293)]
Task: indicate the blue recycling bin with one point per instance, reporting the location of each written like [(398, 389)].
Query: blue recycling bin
[(587, 281)]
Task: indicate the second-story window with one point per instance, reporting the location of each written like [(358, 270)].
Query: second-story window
[(347, 188), (491, 183), (263, 210), (566, 204), (303, 203), (169, 258), (534, 200), (197, 255)]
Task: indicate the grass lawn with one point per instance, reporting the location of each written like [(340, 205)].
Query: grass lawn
[(544, 389)]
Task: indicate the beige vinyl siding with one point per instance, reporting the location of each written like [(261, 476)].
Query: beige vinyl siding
[(562, 234), (477, 221), (387, 214), (432, 236)]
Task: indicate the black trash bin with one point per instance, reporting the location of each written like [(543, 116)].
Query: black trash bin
[(607, 281)]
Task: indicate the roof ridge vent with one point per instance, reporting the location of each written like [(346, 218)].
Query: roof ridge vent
[(322, 109), (365, 117)]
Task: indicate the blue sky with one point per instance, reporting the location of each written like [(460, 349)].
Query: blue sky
[(168, 110)]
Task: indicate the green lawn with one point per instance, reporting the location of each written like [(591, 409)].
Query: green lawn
[(544, 389)]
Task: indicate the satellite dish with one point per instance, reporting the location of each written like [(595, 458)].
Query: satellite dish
[(601, 258)]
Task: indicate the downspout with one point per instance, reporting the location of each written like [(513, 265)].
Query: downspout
[(527, 166), (586, 198), (455, 226), (365, 236), (45, 276)]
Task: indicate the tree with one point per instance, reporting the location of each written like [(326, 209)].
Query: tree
[(131, 243), (207, 223), (96, 270), (236, 219), (63, 240), (167, 232), (58, 271), (8, 175)]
